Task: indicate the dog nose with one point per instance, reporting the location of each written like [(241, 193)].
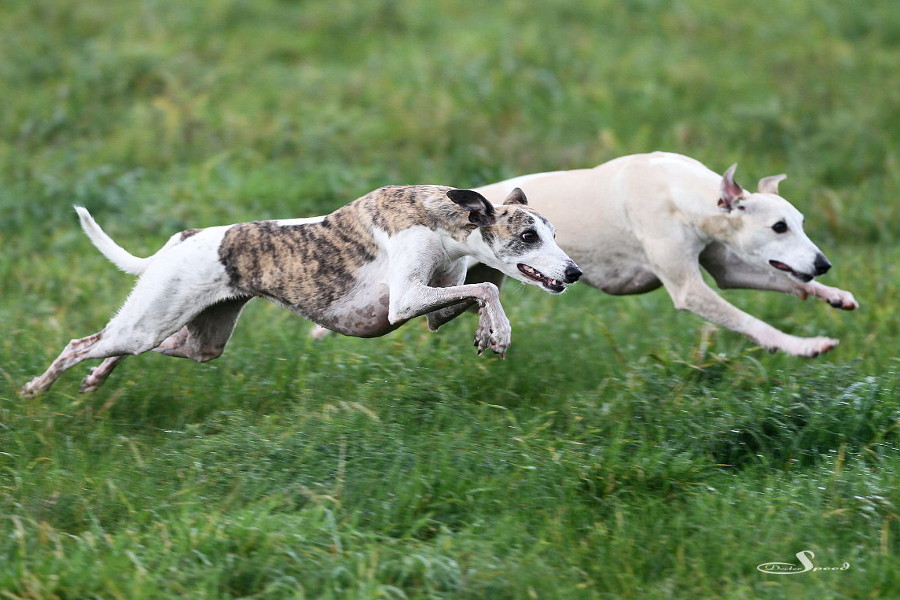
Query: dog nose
[(822, 265), (572, 273)]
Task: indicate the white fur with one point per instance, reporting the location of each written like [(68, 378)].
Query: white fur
[(185, 305), (300, 221), (644, 220)]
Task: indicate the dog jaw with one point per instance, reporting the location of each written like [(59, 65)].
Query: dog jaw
[(532, 276), (554, 286), (804, 277)]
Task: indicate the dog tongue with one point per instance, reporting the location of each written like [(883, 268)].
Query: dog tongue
[(780, 265)]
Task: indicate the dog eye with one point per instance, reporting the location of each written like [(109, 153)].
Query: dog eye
[(530, 236), (780, 227)]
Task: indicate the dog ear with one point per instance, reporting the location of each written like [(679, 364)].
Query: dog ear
[(481, 212), (517, 196), (769, 185), (730, 192)]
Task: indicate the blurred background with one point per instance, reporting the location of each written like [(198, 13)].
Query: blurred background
[(623, 450), (294, 107)]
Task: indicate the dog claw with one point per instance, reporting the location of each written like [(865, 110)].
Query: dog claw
[(492, 334), (483, 339), (838, 298), (843, 304)]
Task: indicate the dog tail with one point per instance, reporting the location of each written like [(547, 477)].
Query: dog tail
[(115, 253)]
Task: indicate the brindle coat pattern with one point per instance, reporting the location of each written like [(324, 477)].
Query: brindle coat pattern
[(517, 221), (364, 270), (307, 267)]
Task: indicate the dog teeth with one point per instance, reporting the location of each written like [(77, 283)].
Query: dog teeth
[(538, 276)]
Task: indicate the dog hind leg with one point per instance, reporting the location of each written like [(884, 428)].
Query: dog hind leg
[(202, 339), (151, 314), (97, 375), (205, 336), (108, 343), (75, 351)]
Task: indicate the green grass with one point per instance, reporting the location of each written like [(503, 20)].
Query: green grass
[(623, 450)]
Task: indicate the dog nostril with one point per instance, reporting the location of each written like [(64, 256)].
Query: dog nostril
[(572, 273), (822, 265)]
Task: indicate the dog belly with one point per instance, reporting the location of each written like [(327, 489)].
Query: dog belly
[(360, 317), (619, 279), (363, 310), (619, 284)]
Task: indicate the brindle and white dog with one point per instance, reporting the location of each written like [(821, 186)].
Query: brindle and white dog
[(364, 270), (648, 220)]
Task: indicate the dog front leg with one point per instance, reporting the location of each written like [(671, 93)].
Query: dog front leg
[(731, 272), (439, 317), (477, 273), (836, 297), (494, 331), (695, 296)]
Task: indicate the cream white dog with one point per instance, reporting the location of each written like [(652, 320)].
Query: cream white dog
[(364, 270), (641, 221)]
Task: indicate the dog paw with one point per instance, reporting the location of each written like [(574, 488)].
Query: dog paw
[(836, 297), (484, 334), (492, 336), (89, 385), (499, 346), (30, 389), (843, 300), (482, 343), (501, 337), (812, 347)]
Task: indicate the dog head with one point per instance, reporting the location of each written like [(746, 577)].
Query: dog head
[(516, 240), (767, 230)]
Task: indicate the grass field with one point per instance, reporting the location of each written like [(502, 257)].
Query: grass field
[(623, 449)]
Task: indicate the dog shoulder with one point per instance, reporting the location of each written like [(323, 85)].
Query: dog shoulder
[(394, 209)]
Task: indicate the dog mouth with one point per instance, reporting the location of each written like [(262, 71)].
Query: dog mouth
[(552, 285), (804, 277)]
